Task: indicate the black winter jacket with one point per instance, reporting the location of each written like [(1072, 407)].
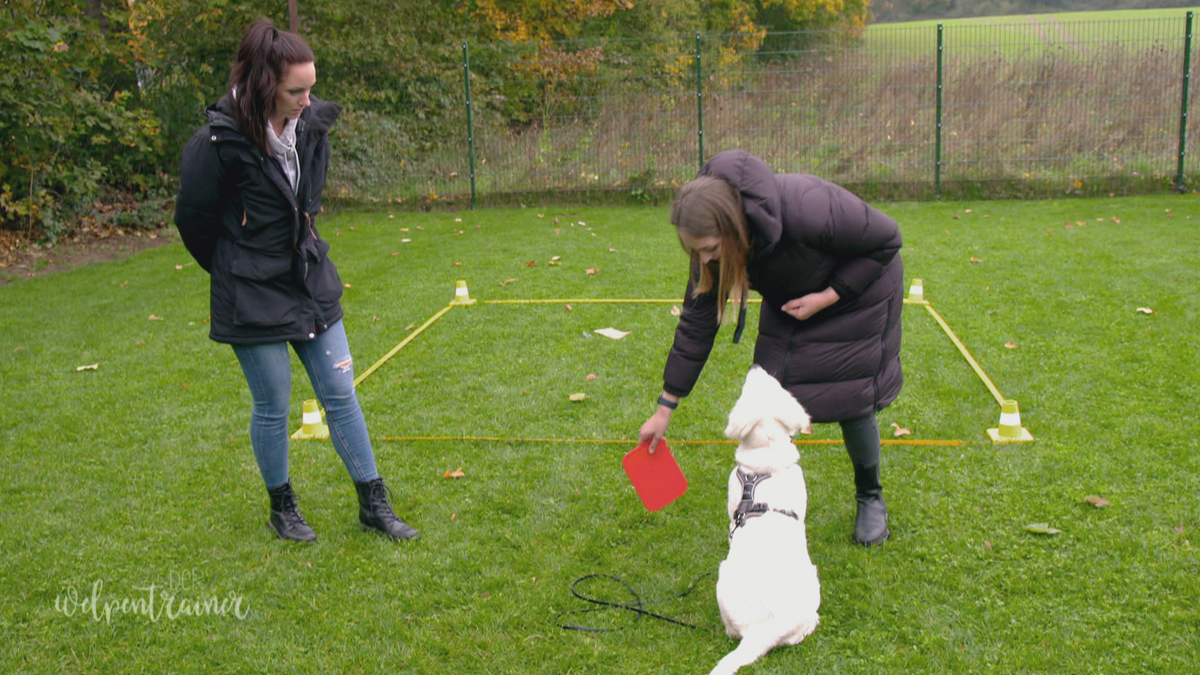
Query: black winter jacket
[(270, 279), (807, 235)]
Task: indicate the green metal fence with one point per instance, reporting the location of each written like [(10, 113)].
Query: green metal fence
[(1028, 106)]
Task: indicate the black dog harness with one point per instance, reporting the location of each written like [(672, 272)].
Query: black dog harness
[(748, 508)]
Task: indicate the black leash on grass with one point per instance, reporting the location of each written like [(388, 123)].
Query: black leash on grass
[(637, 606)]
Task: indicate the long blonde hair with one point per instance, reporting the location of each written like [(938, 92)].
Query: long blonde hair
[(711, 207)]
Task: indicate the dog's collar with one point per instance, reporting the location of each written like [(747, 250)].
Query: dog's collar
[(747, 507)]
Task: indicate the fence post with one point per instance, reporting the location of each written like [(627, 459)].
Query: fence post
[(1183, 112), (470, 129), (699, 101), (937, 146)]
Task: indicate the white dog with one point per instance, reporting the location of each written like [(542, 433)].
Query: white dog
[(767, 589)]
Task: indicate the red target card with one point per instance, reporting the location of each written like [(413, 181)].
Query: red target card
[(657, 478)]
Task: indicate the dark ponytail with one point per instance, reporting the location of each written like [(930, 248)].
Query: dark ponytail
[(262, 58)]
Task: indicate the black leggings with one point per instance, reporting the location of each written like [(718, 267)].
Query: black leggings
[(861, 436)]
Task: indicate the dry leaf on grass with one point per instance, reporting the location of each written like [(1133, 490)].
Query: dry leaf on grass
[(675, 311), (569, 308), (1042, 528), (1097, 501), (900, 431), (612, 333), (1010, 345), (531, 263), (94, 366), (457, 473), (155, 318), (577, 397), (591, 270), (590, 377), (975, 260), (1145, 310)]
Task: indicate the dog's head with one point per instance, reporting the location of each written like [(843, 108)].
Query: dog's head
[(765, 413)]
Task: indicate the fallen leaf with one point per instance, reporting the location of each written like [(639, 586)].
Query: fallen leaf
[(396, 253), (957, 217), (1145, 310), (185, 384), (612, 250), (1080, 223), (391, 215), (591, 270), (590, 377), (612, 333), (1009, 345), (577, 397), (988, 544), (453, 516), (541, 215), (94, 366), (1179, 529), (351, 228), (155, 318), (1042, 528), (1116, 220), (900, 431), (967, 211), (404, 241), (569, 308), (346, 285), (975, 260), (458, 264), (404, 229), (374, 318), (531, 263), (458, 220), (179, 267), (420, 227), (675, 311), (457, 473), (507, 282), (582, 224), (557, 231), (1097, 501), (555, 258)]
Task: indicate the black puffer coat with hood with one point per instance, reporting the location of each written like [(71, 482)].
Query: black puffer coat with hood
[(270, 278), (807, 235)]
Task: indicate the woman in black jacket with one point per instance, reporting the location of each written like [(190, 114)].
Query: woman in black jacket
[(249, 194), (832, 283)]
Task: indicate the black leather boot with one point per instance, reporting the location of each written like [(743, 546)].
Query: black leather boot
[(870, 522), (375, 511), (286, 520)]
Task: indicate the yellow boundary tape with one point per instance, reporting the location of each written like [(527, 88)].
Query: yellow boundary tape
[(885, 441), (403, 343), (544, 301)]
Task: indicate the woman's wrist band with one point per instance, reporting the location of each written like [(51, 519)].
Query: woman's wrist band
[(664, 401)]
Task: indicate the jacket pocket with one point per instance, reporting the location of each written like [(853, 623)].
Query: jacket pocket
[(264, 290)]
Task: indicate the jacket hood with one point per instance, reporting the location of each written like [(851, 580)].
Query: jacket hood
[(760, 193), (318, 117)]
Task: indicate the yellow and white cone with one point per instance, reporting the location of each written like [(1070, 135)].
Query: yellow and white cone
[(461, 295), (311, 425), (916, 292), (1010, 430)]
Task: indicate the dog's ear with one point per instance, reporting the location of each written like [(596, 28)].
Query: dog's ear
[(743, 418)]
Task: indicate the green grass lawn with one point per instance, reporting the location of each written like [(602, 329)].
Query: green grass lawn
[(139, 473)]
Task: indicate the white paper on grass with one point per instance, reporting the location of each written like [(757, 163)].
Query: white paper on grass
[(612, 333)]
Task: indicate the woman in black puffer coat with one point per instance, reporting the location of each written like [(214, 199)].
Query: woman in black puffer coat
[(249, 194), (829, 271)]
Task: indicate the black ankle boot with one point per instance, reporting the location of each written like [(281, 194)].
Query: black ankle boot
[(374, 511), (286, 520), (870, 521)]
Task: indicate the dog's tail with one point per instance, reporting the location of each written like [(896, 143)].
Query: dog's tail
[(753, 646)]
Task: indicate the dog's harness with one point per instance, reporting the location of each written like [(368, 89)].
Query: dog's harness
[(748, 508)]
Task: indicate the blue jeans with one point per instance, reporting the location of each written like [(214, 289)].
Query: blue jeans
[(268, 371)]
